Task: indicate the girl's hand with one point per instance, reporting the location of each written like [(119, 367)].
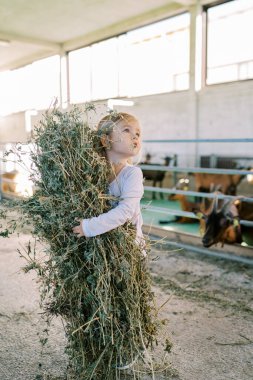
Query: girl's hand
[(78, 230)]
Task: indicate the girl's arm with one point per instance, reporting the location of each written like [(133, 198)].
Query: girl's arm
[(128, 206)]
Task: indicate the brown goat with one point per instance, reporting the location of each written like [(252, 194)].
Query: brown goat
[(226, 182), (222, 223), (189, 207), (186, 205), (6, 184)]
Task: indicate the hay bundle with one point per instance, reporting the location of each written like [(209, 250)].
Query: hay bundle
[(99, 286)]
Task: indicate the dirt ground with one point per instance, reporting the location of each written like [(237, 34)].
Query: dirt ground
[(208, 305)]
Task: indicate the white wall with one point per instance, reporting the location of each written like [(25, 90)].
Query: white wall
[(165, 116), (226, 111), (12, 128), (219, 111)]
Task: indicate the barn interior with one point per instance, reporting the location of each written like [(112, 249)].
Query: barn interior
[(180, 66), (185, 69)]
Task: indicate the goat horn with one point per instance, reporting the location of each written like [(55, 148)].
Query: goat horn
[(228, 206), (215, 204)]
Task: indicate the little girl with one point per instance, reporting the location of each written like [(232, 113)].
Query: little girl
[(121, 139)]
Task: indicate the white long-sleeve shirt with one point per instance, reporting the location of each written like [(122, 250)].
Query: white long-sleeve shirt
[(127, 187)]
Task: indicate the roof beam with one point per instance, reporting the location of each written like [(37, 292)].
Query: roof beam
[(28, 59), (123, 26), (186, 3), (30, 40)]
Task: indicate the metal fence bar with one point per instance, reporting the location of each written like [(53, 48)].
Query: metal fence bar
[(197, 194), (247, 140), (195, 169), (185, 213), (164, 210), (246, 223), (206, 251)]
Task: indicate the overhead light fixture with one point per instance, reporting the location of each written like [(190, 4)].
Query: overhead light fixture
[(4, 43), (119, 102)]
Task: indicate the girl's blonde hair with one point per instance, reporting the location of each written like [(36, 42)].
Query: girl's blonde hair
[(108, 122)]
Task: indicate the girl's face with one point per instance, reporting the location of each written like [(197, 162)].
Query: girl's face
[(125, 139)]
